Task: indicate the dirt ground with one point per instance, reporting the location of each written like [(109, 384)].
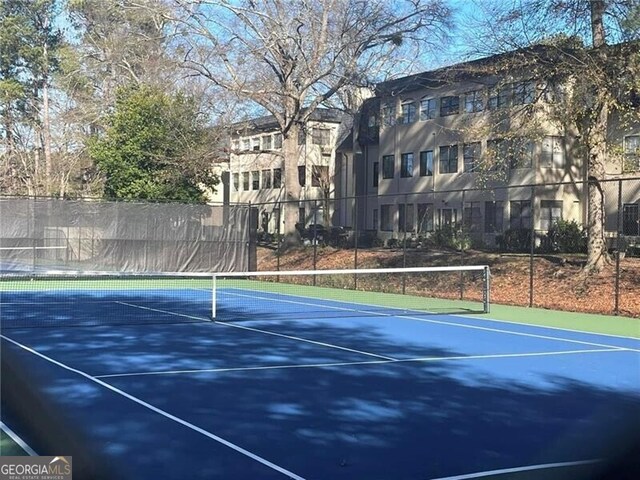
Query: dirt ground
[(557, 280)]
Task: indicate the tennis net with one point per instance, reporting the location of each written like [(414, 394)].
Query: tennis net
[(351, 292), (69, 298)]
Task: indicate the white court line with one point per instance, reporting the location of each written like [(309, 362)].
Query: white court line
[(323, 344), (14, 436), (367, 362), (519, 469), (159, 411), (193, 317), (408, 317), (435, 313), (510, 322), (338, 347)]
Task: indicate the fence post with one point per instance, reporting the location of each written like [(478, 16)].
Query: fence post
[(616, 308), (532, 246), (486, 293), (34, 240), (404, 244), (281, 208), (462, 245), (315, 237), (356, 233)]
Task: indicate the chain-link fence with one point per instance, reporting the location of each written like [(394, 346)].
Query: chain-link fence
[(38, 234), (533, 236)]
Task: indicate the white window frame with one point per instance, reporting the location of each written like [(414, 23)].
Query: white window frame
[(428, 108)]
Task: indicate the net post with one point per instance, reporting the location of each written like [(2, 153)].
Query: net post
[(486, 290), (213, 296)]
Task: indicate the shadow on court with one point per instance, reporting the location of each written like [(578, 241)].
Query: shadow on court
[(396, 420)]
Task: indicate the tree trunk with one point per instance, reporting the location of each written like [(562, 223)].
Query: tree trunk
[(596, 140), (597, 153), (291, 184), (46, 131), (46, 139), (598, 37)]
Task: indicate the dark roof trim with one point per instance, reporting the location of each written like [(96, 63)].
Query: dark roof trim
[(269, 123), (496, 64)]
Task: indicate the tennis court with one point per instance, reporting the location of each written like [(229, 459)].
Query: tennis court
[(243, 376)]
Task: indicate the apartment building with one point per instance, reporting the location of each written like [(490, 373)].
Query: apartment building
[(461, 145), (256, 170)]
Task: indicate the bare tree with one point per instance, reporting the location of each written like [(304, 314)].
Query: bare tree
[(290, 58), (587, 47)]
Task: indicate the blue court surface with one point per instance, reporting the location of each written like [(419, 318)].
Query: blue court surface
[(366, 394)]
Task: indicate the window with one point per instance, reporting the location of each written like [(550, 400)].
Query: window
[(631, 219), (448, 216), (387, 166), (472, 216), (520, 214), (471, 156), (376, 173), (552, 152), (425, 217), (499, 97), (493, 217), (388, 114), (255, 144), (264, 220), (522, 154), (266, 142), (408, 112), (246, 144), (550, 213), (631, 153), (449, 159), (555, 93), (276, 219), (319, 176), (255, 180), (245, 181), (405, 217), (474, 101), (236, 182), (515, 152), (266, 178), (498, 154), (386, 222), (449, 105), (277, 177), (373, 121), (427, 108), (426, 163), (406, 165), (524, 92), (277, 140), (302, 175), (321, 136), (374, 220)]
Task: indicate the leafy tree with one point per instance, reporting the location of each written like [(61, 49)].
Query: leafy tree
[(290, 58), (119, 43), (155, 147), (29, 46), (586, 55)]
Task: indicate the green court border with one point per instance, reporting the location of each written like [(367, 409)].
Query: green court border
[(8, 447), (585, 322)]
